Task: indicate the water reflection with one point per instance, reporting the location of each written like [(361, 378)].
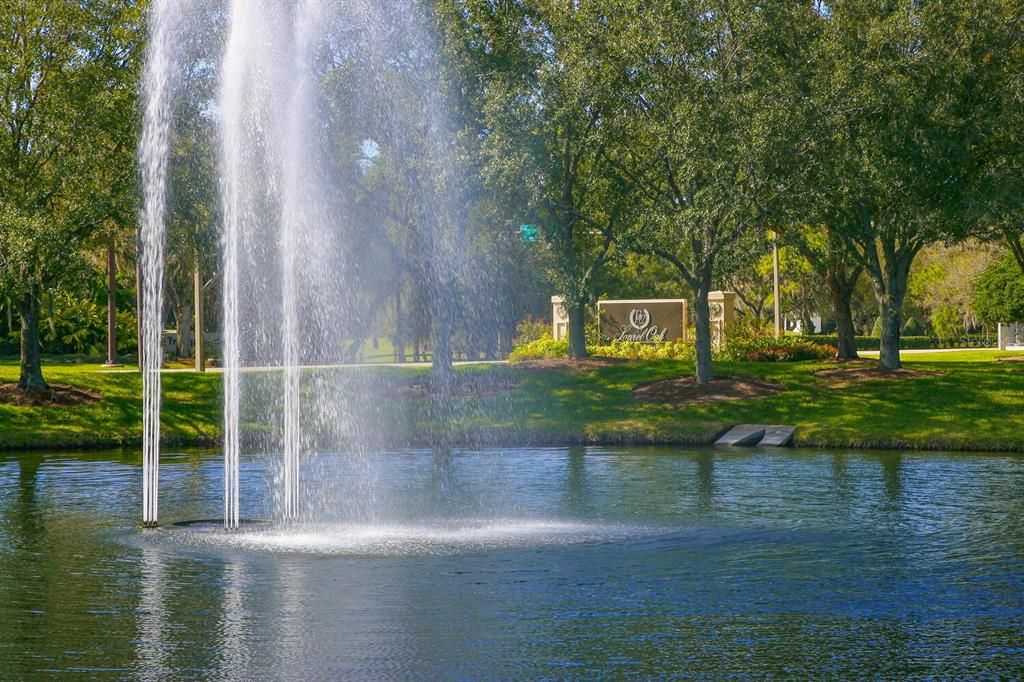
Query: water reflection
[(233, 630), (801, 565), (151, 642)]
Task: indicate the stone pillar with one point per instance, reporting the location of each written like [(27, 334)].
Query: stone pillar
[(1002, 336), (723, 314), (559, 319)]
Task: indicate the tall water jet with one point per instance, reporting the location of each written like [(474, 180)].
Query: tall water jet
[(338, 188), (271, 208), (294, 202), (153, 161), (232, 165)]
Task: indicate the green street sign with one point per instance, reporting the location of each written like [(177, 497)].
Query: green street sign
[(529, 234)]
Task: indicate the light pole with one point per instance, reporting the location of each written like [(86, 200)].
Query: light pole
[(775, 275)]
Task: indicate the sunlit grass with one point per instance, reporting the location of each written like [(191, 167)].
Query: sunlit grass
[(977, 404)]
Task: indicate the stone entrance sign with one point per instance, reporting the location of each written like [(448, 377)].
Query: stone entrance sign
[(646, 321)]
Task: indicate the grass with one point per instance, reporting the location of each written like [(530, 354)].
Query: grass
[(978, 404)]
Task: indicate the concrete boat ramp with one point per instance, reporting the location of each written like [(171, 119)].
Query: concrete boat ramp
[(758, 434)]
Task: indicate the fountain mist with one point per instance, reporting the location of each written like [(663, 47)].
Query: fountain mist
[(338, 184)]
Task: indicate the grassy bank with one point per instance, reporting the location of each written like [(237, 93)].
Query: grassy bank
[(975, 404)]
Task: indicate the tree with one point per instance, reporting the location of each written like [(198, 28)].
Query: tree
[(711, 119), (997, 195), (830, 260), (67, 78), (543, 86), (905, 95), (999, 292)]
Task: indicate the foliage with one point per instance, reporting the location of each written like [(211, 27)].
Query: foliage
[(999, 292), (634, 350), (893, 175), (770, 349), (542, 348), (68, 71), (947, 323), (709, 119), (911, 342), (546, 348), (531, 329), (540, 98)]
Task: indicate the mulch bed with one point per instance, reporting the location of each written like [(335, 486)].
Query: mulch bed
[(686, 390), (57, 395), (569, 364), (846, 376)]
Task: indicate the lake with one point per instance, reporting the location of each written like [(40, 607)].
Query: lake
[(566, 563)]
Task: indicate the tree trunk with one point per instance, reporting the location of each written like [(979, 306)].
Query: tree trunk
[(31, 363), (399, 338), (111, 304), (577, 331), (443, 374), (183, 340), (702, 322), (806, 322), (197, 296), (840, 288), (890, 307)]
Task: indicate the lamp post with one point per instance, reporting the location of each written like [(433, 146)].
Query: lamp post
[(775, 276)]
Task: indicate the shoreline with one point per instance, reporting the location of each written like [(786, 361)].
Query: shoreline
[(544, 440)]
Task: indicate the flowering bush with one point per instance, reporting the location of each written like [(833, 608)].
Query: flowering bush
[(634, 350), (544, 347)]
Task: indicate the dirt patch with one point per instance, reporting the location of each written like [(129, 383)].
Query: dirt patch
[(569, 364), (57, 395), (1012, 358), (686, 390), (846, 376)]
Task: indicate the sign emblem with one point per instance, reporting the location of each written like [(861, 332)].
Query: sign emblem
[(639, 318)]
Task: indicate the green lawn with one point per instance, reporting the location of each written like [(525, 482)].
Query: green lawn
[(978, 404)]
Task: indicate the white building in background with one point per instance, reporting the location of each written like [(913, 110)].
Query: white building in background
[(797, 327), (1010, 335)]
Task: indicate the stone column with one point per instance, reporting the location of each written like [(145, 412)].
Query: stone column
[(559, 318), (723, 314)]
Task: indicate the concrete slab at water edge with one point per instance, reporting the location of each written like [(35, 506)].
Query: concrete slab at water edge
[(758, 434), (744, 434), (778, 435)]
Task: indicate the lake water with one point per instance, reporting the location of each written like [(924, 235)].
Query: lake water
[(578, 563)]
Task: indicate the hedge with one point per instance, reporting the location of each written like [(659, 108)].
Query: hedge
[(908, 342)]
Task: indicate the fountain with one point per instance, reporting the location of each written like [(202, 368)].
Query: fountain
[(153, 158), (299, 249)]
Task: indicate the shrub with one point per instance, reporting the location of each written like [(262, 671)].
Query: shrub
[(912, 327), (999, 292), (911, 342), (947, 323), (771, 349), (531, 329), (542, 348), (634, 350)]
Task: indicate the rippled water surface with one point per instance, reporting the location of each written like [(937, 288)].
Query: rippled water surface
[(516, 564)]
